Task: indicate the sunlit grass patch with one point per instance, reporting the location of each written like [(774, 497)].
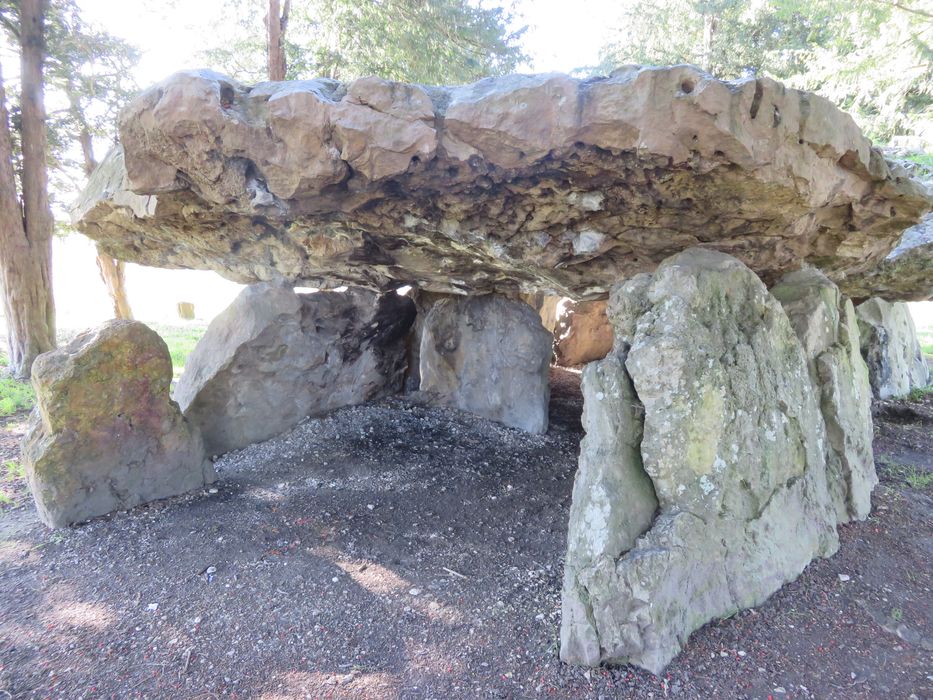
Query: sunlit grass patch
[(12, 474), (181, 341), (14, 395)]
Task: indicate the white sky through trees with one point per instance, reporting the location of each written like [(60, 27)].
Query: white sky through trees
[(562, 34)]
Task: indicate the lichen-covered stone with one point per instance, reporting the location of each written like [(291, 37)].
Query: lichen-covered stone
[(105, 435), (583, 333), (274, 357), (733, 444), (891, 348), (490, 356), (613, 498), (825, 323), (520, 183)]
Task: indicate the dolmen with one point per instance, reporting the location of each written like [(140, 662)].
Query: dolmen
[(727, 246)]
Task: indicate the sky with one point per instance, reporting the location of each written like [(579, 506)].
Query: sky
[(562, 34)]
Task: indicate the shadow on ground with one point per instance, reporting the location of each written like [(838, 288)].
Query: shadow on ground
[(397, 551)]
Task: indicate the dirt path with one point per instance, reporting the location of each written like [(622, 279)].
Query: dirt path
[(395, 551)]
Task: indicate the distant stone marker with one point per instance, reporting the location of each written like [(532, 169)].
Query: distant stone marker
[(185, 310)]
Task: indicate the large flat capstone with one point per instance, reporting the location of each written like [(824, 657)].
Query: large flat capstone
[(702, 485), (105, 436), (275, 357), (524, 183), (906, 273)]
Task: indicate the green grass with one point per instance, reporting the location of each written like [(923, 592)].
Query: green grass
[(925, 336), (11, 471), (924, 160), (15, 396), (181, 341), (915, 477)]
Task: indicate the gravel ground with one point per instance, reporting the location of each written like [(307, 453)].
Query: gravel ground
[(397, 551)]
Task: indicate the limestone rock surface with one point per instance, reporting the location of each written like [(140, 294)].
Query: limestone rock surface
[(707, 394), (906, 273), (825, 323), (274, 357), (105, 435), (522, 183), (891, 348), (490, 356), (583, 333)]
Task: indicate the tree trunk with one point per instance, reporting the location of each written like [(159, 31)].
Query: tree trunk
[(276, 22), (112, 273), (709, 30), (26, 228), (111, 270)]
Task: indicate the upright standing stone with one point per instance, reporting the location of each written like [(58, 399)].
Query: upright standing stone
[(274, 357), (105, 435), (825, 323), (891, 348), (490, 356), (707, 368)]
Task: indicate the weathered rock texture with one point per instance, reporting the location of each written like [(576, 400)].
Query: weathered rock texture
[(906, 274), (547, 306), (891, 348), (105, 435), (490, 356), (583, 333), (538, 183), (704, 409), (274, 357), (825, 323)]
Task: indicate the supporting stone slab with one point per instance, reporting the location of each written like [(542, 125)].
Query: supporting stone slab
[(707, 368), (583, 334), (825, 323), (274, 357), (490, 356), (104, 435), (891, 348)]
